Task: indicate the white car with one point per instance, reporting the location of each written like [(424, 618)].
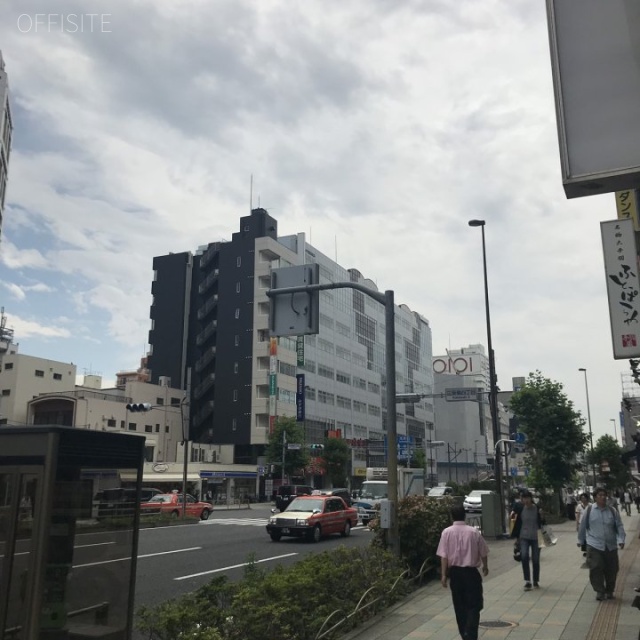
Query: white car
[(473, 502)]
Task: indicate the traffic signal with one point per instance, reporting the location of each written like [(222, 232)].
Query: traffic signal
[(139, 406), (316, 448)]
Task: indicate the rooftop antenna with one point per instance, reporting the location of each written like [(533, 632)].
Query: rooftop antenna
[(336, 246), (251, 194)]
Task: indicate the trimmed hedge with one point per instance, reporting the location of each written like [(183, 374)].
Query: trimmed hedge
[(289, 602)]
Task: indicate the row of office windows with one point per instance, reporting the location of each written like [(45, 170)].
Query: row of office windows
[(39, 373)]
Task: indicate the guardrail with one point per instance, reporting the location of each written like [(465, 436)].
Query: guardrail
[(101, 610)]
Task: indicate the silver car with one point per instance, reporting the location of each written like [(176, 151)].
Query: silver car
[(473, 502)]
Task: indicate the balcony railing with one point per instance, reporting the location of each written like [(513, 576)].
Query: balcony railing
[(210, 304), (203, 336), (206, 358), (208, 281), (204, 385)]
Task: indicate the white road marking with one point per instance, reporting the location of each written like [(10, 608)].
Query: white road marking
[(95, 544), (146, 555), (245, 522), (235, 566)]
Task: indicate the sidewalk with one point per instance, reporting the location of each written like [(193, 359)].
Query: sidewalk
[(564, 608)]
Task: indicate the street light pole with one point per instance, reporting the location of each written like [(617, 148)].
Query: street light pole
[(615, 429), (493, 389), (586, 388)]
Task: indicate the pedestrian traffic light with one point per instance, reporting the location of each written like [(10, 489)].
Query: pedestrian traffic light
[(139, 406), (316, 448)]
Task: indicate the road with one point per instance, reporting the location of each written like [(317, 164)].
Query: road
[(178, 559)]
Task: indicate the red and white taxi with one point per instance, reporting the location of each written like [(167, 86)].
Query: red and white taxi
[(313, 517), (171, 504)]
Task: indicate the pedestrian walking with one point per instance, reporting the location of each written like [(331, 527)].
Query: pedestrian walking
[(601, 533), (462, 551), (525, 529), (581, 508), (626, 499), (636, 498), (570, 504)]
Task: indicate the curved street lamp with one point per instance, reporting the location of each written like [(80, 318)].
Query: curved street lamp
[(586, 388)]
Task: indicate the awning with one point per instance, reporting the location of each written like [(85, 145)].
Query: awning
[(151, 478)]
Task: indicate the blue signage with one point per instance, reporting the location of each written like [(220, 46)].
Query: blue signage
[(514, 471)]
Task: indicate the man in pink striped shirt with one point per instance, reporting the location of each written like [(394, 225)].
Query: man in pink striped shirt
[(462, 551)]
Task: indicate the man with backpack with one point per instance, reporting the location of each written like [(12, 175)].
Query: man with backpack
[(601, 534)]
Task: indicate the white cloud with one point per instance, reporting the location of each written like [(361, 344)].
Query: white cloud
[(30, 329), (378, 128)]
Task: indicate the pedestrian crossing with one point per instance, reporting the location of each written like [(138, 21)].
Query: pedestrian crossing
[(243, 522)]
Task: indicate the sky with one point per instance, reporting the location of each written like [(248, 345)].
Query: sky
[(379, 128)]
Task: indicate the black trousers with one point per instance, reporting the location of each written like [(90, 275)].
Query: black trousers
[(466, 592)]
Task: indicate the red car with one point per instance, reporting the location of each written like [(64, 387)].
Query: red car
[(171, 503), (313, 517)]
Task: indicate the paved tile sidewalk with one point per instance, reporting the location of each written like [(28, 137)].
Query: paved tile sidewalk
[(564, 608)]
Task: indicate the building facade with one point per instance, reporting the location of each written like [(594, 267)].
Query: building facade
[(210, 331), (6, 131)]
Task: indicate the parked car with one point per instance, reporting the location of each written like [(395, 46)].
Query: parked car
[(473, 502), (345, 494), (288, 492), (171, 504), (439, 492), (313, 517), (120, 502)]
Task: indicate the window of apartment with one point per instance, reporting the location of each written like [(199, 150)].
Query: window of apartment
[(122, 424), (175, 402), (360, 406), (157, 428), (374, 388), (235, 395), (166, 428), (325, 345), (6, 392), (235, 367), (345, 378), (343, 402), (374, 410), (359, 383), (325, 372), (238, 261), (148, 428), (326, 321), (237, 314), (57, 376), (132, 426), (263, 363), (160, 401), (39, 373), (237, 340), (246, 227), (263, 308), (263, 335), (8, 365), (309, 393), (264, 282), (287, 369), (342, 329), (345, 354), (234, 424), (111, 422), (237, 287), (309, 365), (325, 398)]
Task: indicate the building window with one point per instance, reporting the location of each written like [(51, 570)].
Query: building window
[(148, 428), (57, 376), (246, 227), (235, 395), (175, 402), (166, 428), (309, 393), (157, 428), (237, 287), (8, 365), (234, 424), (325, 372), (286, 369), (160, 401), (132, 426), (237, 340), (111, 422), (237, 313), (39, 373), (235, 367), (343, 377), (122, 424), (325, 398), (238, 261), (6, 392)]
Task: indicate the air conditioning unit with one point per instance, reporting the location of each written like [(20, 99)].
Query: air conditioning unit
[(164, 381), (214, 456)]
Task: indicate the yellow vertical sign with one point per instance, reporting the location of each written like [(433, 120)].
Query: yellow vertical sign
[(627, 206)]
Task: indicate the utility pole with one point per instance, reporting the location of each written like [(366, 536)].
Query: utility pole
[(284, 450)]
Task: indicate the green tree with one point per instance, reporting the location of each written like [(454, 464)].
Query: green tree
[(607, 450), (335, 461), (295, 460), (553, 429), (418, 459)]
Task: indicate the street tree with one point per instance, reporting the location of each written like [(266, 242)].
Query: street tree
[(335, 461), (606, 450), (553, 430), (418, 459), (295, 460)]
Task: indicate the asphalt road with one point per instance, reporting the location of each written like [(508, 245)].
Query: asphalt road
[(178, 559)]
